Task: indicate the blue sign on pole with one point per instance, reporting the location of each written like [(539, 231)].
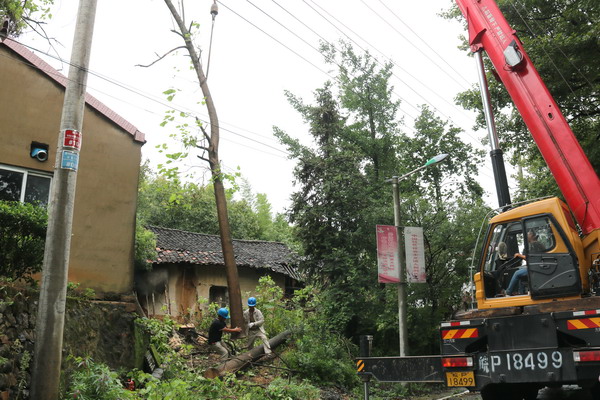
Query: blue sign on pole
[(69, 160)]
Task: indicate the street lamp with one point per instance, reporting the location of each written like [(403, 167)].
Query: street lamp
[(402, 271)]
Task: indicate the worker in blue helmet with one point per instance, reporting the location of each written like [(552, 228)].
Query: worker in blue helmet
[(254, 321), (215, 333)]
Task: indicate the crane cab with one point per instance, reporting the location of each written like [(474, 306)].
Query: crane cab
[(531, 254)]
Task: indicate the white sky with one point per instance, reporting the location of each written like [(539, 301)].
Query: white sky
[(254, 58)]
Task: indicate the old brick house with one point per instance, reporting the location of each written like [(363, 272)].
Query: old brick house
[(189, 267)]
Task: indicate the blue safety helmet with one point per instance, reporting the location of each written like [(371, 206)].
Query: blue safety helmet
[(223, 312), (252, 301)]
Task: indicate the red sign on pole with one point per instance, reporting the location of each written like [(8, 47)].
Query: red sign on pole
[(72, 139), (388, 263)]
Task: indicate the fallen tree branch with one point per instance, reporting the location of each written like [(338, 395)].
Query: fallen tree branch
[(241, 360)]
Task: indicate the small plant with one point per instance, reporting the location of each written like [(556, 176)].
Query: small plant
[(71, 288), (281, 389), (23, 375), (73, 291), (207, 317), (89, 293), (95, 381)]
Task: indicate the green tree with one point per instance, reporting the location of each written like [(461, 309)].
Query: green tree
[(343, 194), (561, 38), (164, 200)]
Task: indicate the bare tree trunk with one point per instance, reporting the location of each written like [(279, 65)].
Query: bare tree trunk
[(235, 297), (240, 361)]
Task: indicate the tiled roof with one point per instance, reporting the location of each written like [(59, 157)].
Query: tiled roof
[(175, 246), (52, 73)]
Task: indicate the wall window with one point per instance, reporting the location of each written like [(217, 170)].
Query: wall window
[(17, 184), (219, 295)]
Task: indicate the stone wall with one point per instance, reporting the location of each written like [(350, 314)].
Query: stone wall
[(102, 330)]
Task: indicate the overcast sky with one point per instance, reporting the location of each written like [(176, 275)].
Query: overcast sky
[(259, 49)]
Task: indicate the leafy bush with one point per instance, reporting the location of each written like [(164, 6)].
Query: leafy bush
[(22, 238), (281, 389), (92, 381), (322, 357), (319, 354), (208, 316), (278, 317), (145, 247), (74, 291)]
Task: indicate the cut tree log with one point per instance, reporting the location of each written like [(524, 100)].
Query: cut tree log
[(238, 362)]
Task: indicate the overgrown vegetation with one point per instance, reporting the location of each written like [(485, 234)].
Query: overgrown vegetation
[(145, 247), (314, 358), (22, 239)]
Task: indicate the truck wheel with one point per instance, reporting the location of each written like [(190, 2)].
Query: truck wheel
[(490, 392), (595, 391), (509, 392), (530, 393), (497, 391)]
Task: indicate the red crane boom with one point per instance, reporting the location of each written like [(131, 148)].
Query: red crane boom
[(575, 176)]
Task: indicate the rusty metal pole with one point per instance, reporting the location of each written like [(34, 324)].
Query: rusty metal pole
[(51, 310)]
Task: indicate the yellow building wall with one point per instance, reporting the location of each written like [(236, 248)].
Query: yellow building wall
[(105, 201)]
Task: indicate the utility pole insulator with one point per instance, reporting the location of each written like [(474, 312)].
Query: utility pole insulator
[(214, 9)]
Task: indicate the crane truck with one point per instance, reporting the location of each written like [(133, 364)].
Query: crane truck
[(547, 333)]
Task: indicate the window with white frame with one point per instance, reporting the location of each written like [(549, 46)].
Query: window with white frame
[(19, 184)]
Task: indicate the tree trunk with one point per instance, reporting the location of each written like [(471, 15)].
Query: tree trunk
[(233, 284), (240, 361)]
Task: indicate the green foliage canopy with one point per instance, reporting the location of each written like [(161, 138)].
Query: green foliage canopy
[(22, 238), (166, 201), (357, 143)]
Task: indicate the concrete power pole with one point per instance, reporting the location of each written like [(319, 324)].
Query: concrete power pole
[(402, 302), (51, 312)]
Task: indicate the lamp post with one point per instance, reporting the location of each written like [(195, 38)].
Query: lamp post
[(402, 271)]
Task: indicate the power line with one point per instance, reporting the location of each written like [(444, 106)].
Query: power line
[(277, 40), (422, 41), (466, 131), (314, 48), (177, 108), (435, 93)]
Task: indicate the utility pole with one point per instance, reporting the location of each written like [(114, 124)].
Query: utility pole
[(402, 298), (51, 309)]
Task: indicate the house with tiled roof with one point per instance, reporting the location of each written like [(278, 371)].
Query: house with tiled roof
[(189, 271), (103, 234)]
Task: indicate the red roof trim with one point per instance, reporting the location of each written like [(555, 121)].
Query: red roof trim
[(43, 66)]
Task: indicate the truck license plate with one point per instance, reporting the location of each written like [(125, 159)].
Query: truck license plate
[(461, 378)]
